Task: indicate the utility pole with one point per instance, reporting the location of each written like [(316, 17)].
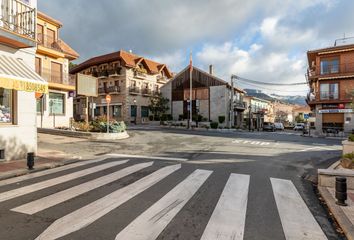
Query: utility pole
[(232, 113)]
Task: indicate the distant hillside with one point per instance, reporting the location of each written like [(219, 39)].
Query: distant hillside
[(299, 100)]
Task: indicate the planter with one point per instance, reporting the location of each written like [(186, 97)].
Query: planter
[(109, 136), (348, 147), (347, 163), (87, 135)]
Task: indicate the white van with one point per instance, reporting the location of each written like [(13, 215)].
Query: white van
[(299, 126), (279, 126)]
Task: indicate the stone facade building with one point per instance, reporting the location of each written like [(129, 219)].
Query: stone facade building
[(211, 97), (331, 80), (129, 79), (259, 111)]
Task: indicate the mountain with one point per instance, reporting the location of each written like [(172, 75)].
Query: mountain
[(298, 100)]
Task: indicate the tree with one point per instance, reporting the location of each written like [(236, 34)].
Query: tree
[(72, 65), (158, 105), (299, 118), (281, 116)]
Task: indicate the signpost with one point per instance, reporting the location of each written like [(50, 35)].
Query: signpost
[(108, 100), (87, 86)]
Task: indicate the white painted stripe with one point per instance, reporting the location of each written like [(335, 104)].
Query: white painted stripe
[(146, 157), (296, 218), (151, 223), (50, 171), (55, 181), (56, 198), (229, 216), (88, 214)]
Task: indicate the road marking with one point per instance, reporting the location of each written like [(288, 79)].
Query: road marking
[(152, 222), (55, 181), (86, 215), (313, 148), (248, 142), (50, 171), (296, 218), (56, 198), (146, 157), (228, 219)]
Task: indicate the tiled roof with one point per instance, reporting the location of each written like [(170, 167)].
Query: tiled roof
[(129, 60), (71, 53)]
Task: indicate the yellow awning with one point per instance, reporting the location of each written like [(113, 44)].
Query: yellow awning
[(15, 74)]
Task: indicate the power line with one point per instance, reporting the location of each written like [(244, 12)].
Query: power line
[(270, 84), (272, 89)]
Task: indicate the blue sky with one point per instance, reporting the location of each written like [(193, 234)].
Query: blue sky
[(261, 40)]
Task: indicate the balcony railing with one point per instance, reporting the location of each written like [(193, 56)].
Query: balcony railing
[(18, 17), (330, 69), (134, 90), (146, 91), (57, 77), (48, 42), (115, 71), (239, 105), (162, 79), (102, 74), (138, 74)]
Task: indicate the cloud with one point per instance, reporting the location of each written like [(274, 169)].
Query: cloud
[(266, 42)]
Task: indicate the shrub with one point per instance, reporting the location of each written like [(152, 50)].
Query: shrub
[(214, 125), (180, 117), (82, 126), (221, 119), (204, 119), (169, 117), (349, 155), (151, 118), (351, 138), (163, 117)]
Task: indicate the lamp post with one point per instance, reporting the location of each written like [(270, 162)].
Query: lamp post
[(249, 117), (136, 110)]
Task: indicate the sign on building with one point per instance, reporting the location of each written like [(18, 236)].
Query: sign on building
[(86, 85)]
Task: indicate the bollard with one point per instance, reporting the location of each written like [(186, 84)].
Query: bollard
[(341, 191), (30, 160)]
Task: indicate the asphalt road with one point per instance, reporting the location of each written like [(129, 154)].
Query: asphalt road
[(204, 185)]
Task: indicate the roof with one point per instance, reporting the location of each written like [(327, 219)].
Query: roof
[(49, 19), (71, 53), (302, 109), (311, 54), (258, 99), (223, 82), (129, 59)]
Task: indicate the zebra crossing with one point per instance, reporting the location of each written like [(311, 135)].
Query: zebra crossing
[(227, 220)]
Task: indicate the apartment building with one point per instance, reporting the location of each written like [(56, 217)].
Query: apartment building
[(258, 111), (19, 83), (331, 80), (129, 79), (53, 56), (211, 97)]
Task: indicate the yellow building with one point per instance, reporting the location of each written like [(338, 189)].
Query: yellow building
[(53, 56)]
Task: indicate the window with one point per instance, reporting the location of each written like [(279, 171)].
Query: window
[(50, 37), (144, 111), (117, 111), (133, 110), (329, 91), (56, 74), (329, 66), (6, 106), (38, 65), (132, 83), (41, 104), (40, 34), (57, 103)]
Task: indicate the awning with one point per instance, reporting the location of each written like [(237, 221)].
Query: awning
[(15, 74)]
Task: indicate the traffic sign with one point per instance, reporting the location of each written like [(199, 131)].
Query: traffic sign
[(108, 99), (306, 116)]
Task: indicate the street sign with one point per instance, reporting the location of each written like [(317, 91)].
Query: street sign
[(86, 85), (108, 98), (306, 116)]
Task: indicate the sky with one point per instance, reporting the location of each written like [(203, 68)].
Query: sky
[(260, 40)]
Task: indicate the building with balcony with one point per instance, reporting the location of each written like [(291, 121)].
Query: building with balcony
[(258, 111), (211, 97), (19, 83), (53, 56), (129, 79), (330, 77)]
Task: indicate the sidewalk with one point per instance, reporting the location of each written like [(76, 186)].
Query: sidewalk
[(45, 159)]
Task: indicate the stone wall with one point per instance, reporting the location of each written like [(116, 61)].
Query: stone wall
[(219, 103)]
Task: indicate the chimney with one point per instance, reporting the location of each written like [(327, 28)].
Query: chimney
[(211, 69)]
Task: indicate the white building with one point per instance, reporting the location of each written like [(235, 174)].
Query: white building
[(19, 84)]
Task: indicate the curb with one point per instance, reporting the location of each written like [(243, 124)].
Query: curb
[(338, 213), (40, 167)]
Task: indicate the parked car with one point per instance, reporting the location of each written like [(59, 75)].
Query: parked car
[(279, 126), (267, 126), (299, 127)]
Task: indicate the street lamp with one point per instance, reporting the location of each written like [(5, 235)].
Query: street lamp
[(249, 117), (136, 110)]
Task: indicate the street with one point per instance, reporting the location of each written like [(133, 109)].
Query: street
[(181, 185)]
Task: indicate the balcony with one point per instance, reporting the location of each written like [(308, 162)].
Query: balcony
[(330, 71), (139, 74), (102, 74), (17, 24), (134, 90), (239, 105), (161, 79), (48, 42), (146, 92), (327, 95), (57, 79), (115, 72), (110, 90)]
